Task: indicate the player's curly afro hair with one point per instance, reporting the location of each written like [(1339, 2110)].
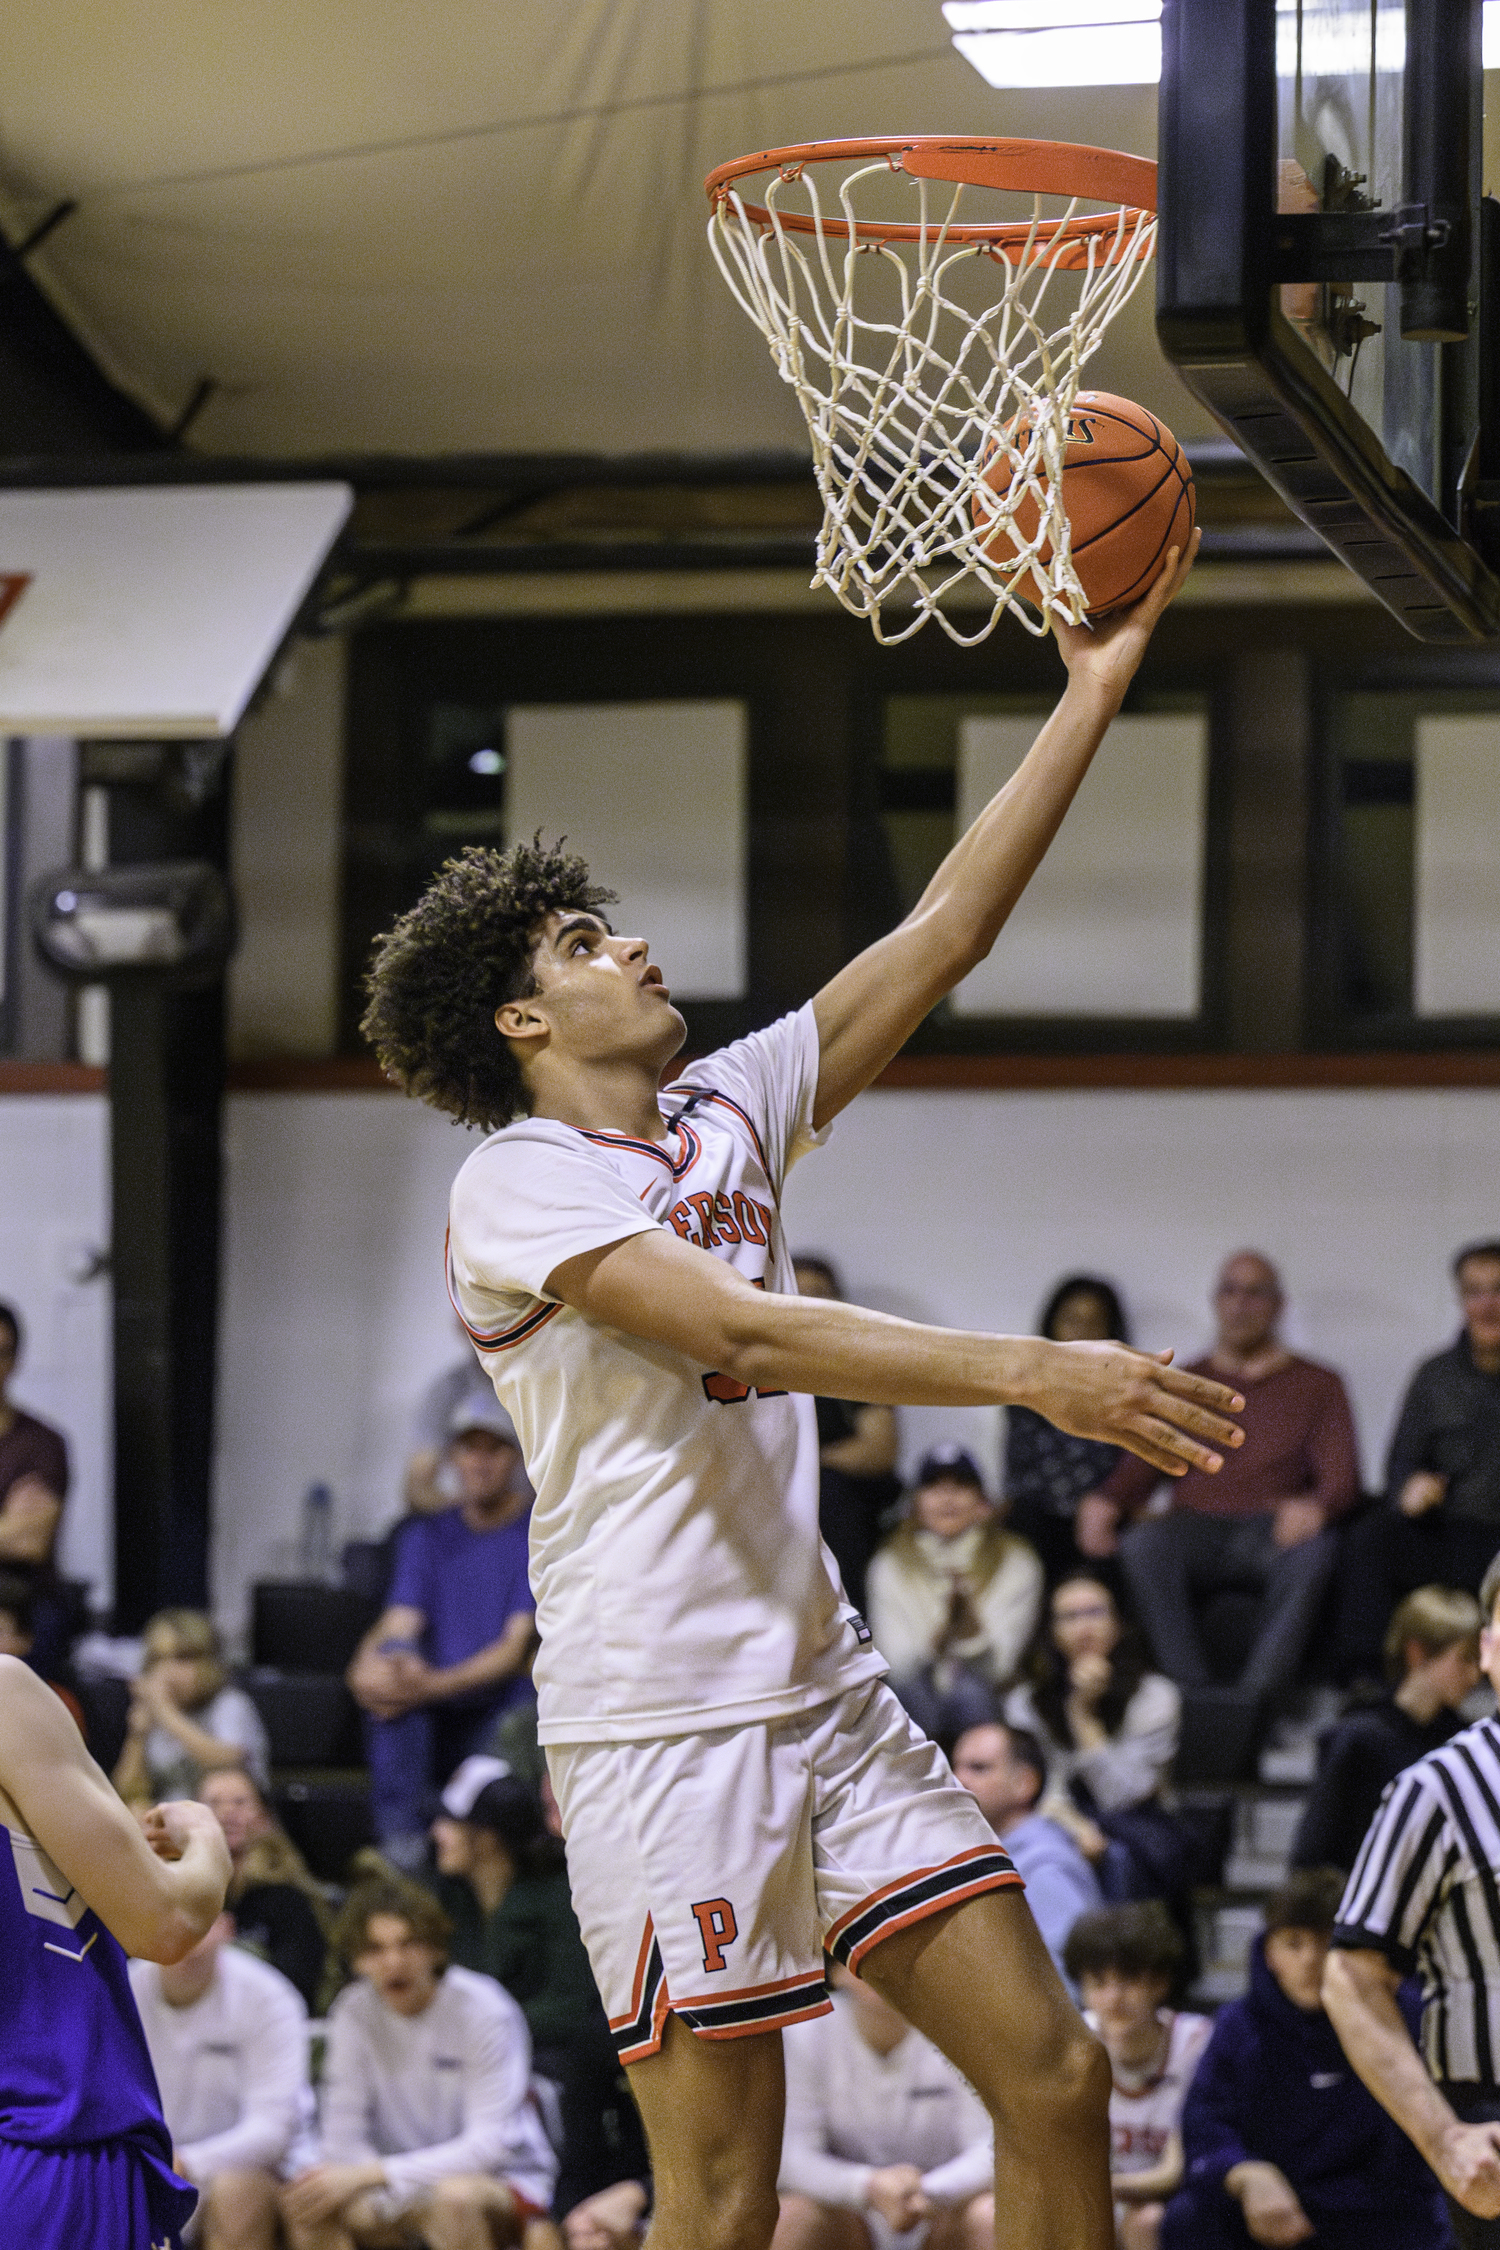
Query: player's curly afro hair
[(437, 977)]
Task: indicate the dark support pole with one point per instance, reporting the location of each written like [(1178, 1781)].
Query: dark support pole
[(1435, 225), (166, 1083)]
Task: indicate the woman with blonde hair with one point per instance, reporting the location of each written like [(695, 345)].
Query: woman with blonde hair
[(279, 1911), (185, 1720), (1432, 1664)]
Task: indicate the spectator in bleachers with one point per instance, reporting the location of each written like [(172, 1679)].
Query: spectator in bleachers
[(1264, 1521), (1126, 1961), (881, 2131), (954, 1598), (428, 2130), (502, 1879), (1047, 1472), (1004, 1770), (280, 1913), (185, 1719), (1109, 1728), (18, 1637), (1440, 1523), (857, 1482), (33, 1490), (1282, 2142), (614, 2219), (428, 1482), (1432, 1662), (228, 2041), (452, 1649)]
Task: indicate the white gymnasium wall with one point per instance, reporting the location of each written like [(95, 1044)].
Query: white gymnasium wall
[(954, 1207)]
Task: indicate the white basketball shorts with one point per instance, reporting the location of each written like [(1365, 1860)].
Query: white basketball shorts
[(711, 1872)]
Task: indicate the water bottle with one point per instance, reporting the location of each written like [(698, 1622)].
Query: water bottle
[(316, 1555)]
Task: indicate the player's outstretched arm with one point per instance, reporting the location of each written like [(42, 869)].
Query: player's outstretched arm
[(157, 1897), (667, 1291), (870, 1009)]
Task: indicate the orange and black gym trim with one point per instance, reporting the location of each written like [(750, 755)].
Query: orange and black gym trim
[(928, 1891), (719, 2015)]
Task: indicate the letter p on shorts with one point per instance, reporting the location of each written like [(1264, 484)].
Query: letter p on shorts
[(717, 1927)]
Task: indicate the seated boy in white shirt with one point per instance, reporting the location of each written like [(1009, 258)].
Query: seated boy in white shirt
[(883, 2138), (228, 2041), (428, 2129), (1126, 1961)]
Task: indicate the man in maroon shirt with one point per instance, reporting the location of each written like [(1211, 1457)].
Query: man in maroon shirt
[(1263, 1522)]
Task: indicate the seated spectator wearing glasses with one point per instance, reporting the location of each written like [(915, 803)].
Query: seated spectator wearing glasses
[(884, 2140), (1282, 2143), (1432, 1662), (1440, 1524), (228, 2041), (502, 1880), (452, 1650), (280, 1914), (954, 1598), (1004, 1770), (1109, 1728), (185, 1719), (33, 1489), (428, 2130), (1047, 1472), (1263, 1522), (1126, 1961), (857, 1482)]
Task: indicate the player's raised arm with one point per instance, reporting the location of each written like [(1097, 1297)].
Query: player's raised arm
[(159, 1897), (668, 1292), (870, 1009)]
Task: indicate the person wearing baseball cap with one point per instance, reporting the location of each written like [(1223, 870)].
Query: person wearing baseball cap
[(452, 1649), (954, 1598)]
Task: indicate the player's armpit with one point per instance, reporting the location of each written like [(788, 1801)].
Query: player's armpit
[(157, 1908)]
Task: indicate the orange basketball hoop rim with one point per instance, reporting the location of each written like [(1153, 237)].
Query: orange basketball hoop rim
[(1061, 168)]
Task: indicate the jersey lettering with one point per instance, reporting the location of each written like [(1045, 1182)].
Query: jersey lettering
[(717, 1927), (712, 1220)]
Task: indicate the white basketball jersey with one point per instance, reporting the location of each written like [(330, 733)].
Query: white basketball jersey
[(680, 1580), (1142, 2119)]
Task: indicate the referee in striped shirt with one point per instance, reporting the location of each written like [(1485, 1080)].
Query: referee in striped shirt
[(1424, 1898)]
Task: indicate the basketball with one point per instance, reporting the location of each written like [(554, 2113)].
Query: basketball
[(1128, 492)]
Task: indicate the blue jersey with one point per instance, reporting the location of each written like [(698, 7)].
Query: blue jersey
[(75, 2071)]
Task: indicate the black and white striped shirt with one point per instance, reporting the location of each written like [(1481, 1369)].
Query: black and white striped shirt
[(1425, 1892)]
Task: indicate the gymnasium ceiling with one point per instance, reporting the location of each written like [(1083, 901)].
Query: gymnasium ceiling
[(475, 225)]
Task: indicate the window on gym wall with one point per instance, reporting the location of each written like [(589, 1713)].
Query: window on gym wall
[(1406, 918), (1112, 941)]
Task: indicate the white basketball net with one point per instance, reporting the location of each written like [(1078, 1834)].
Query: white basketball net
[(918, 409)]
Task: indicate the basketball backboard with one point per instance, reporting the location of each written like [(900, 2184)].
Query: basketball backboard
[(1323, 263), (152, 612)]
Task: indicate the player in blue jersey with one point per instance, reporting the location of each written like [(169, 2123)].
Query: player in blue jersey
[(85, 2160)]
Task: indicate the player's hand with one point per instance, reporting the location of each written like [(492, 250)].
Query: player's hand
[(1106, 653), (1096, 1527), (1269, 2202), (317, 2196), (1468, 2164), (171, 1827), (895, 2191), (1295, 1521), (1421, 1491), (1109, 1392)]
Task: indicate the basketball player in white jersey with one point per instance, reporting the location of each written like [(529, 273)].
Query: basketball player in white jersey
[(739, 1789)]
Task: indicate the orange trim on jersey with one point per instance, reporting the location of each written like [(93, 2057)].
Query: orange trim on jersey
[(692, 1147), (809, 2014), (904, 1883), (499, 1339), (711, 1094), (995, 1882)]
